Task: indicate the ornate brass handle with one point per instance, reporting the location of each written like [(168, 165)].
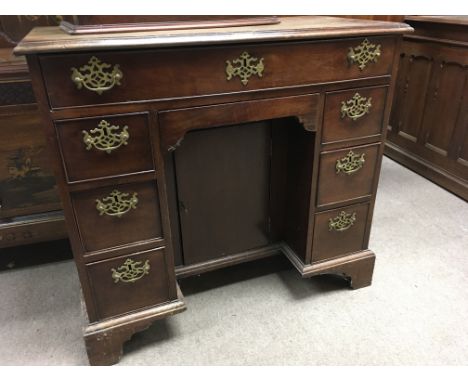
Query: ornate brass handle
[(244, 67), (117, 203), (342, 222), (356, 107), (105, 137), (364, 53), (130, 271), (96, 76), (350, 163)]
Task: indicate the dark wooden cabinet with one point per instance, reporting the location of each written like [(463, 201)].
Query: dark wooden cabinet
[(428, 129), (30, 209), (177, 155)]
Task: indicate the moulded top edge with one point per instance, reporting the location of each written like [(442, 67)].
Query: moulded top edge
[(53, 39)]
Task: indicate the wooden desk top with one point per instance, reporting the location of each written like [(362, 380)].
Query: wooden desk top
[(53, 39)]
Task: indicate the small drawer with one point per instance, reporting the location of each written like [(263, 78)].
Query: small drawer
[(128, 283), (112, 77), (339, 231), (346, 174), (112, 216), (105, 146), (353, 114)]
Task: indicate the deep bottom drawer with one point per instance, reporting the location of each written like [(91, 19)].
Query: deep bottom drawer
[(129, 283), (339, 231)]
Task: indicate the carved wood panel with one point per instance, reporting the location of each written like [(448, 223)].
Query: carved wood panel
[(409, 102), (443, 106)]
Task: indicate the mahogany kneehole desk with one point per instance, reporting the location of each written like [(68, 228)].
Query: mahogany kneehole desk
[(179, 152)]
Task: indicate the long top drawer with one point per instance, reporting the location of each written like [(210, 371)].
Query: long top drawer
[(81, 79)]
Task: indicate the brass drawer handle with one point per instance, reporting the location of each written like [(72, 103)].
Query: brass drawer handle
[(105, 138), (244, 67), (364, 53), (130, 271), (96, 76), (356, 107), (342, 222), (117, 203), (350, 163)]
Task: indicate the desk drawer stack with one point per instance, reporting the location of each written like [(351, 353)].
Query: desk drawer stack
[(118, 106), (112, 181), (348, 170)]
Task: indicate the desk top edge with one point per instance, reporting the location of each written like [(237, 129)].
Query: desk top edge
[(54, 40), (451, 20)]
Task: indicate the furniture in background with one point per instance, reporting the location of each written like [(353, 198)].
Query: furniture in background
[(393, 18), (30, 209), (178, 152), (428, 129)]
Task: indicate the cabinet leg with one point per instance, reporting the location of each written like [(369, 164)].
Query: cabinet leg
[(359, 272), (105, 348), (104, 340), (356, 267)]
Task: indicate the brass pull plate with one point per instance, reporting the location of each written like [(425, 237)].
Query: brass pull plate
[(96, 76), (342, 222), (356, 107), (350, 163), (363, 54), (105, 137), (244, 67), (117, 203), (130, 271)]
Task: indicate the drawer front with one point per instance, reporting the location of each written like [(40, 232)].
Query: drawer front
[(129, 283), (188, 72), (353, 114), (105, 146), (339, 231), (347, 174), (112, 216)]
